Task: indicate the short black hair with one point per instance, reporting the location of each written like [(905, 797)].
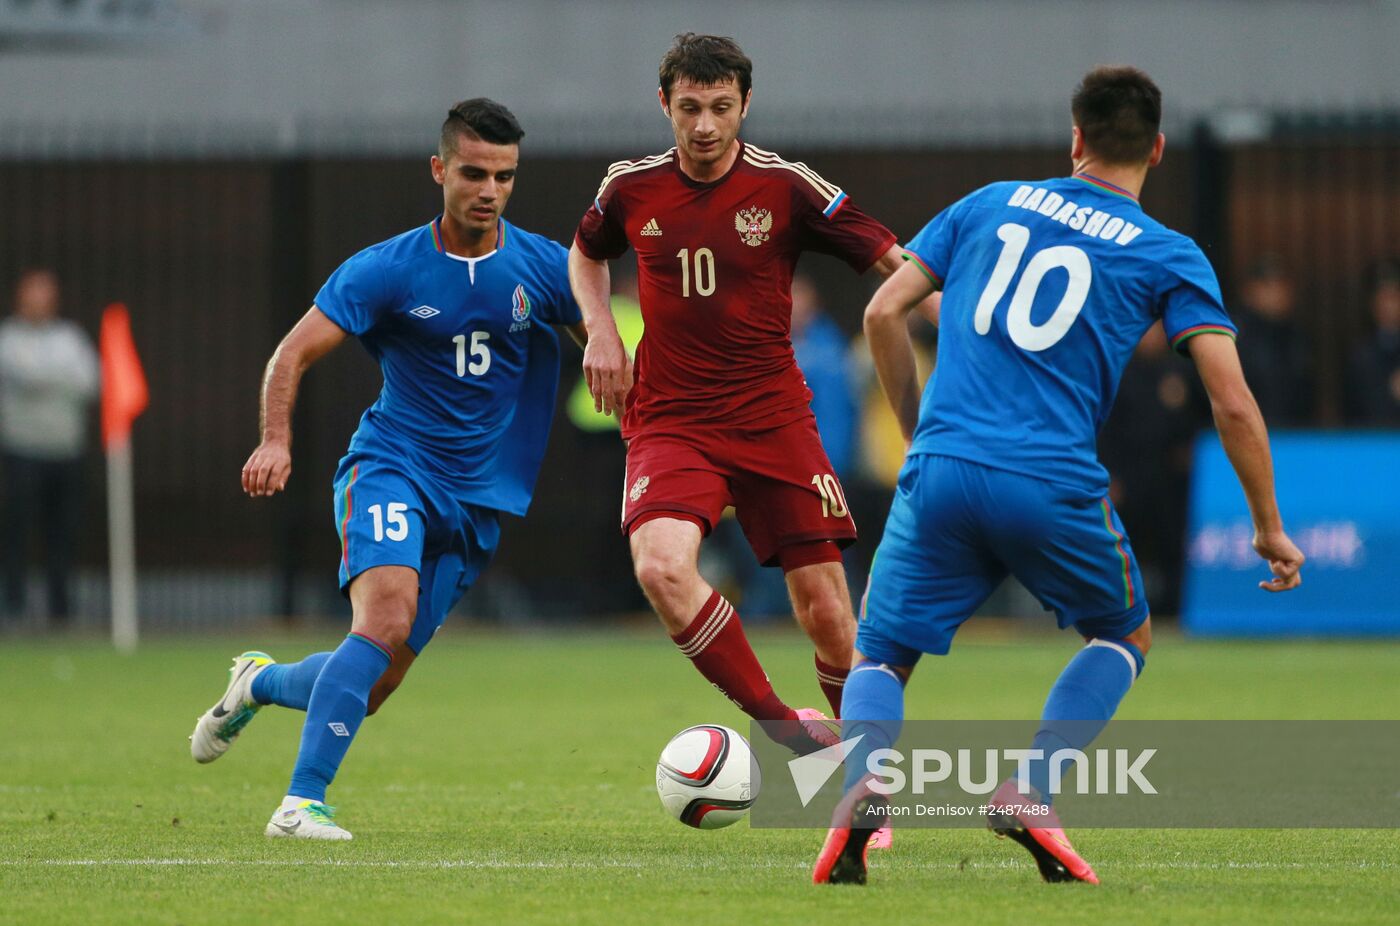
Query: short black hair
[(480, 119), (1118, 110), (707, 60)]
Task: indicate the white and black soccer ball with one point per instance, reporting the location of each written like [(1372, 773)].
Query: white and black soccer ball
[(706, 777)]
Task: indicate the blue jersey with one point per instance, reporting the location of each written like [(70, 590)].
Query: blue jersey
[(470, 363), (1047, 288)]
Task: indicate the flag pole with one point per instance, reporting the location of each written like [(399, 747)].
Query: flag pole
[(124, 396), (121, 542)]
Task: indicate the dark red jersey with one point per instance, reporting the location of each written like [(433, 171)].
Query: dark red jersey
[(715, 263)]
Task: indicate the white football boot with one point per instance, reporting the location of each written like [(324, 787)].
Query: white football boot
[(298, 818), (220, 725)]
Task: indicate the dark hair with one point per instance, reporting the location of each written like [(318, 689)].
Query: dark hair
[(1118, 110), (707, 60), (480, 119)]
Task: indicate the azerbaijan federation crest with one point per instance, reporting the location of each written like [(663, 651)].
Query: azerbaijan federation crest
[(753, 225)]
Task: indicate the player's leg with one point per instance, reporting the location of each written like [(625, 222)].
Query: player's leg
[(794, 514), (703, 625), (21, 487), (1072, 553), (821, 602), (673, 495), (385, 602), (929, 574), (383, 517)]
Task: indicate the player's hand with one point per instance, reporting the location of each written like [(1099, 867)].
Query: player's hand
[(1284, 558), (267, 469), (608, 371)]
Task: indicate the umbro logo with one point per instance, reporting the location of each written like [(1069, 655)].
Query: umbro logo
[(424, 311), (651, 229), (338, 729)]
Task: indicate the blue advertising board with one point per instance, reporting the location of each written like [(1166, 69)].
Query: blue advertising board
[(1340, 498)]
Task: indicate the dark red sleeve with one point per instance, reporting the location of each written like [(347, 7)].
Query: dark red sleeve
[(600, 234), (838, 227)]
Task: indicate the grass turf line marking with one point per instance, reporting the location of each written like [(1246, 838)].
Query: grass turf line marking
[(506, 865)]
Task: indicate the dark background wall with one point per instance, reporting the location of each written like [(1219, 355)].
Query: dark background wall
[(218, 258)]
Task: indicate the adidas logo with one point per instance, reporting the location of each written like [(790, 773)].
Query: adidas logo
[(651, 229)]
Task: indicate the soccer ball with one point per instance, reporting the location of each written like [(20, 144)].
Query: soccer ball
[(706, 777)]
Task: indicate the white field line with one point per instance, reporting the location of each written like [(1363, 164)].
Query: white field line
[(502, 864)]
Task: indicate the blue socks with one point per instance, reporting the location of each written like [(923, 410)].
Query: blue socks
[(289, 685), (336, 709), (1082, 701), (873, 706)]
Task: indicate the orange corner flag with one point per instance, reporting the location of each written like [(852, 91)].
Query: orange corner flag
[(124, 394)]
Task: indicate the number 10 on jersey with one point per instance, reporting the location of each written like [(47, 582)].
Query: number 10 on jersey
[(704, 263)]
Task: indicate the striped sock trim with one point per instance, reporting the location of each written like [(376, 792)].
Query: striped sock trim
[(1121, 650), (876, 667), (831, 679), (388, 653), (716, 622)]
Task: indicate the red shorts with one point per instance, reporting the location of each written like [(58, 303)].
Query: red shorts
[(778, 479)]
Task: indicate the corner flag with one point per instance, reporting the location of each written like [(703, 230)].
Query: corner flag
[(124, 393), (124, 397)]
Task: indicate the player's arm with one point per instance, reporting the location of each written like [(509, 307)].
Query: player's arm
[(1246, 443), (310, 339), (606, 366), (887, 333), (888, 264)]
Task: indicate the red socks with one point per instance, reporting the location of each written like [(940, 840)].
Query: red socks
[(833, 682), (716, 644)]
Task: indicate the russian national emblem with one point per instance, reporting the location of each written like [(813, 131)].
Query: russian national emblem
[(639, 488), (753, 225)]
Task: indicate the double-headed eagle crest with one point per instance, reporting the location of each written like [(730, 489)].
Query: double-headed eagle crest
[(754, 225)]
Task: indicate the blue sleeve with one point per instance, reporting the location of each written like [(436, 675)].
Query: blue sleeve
[(932, 248), (1190, 302), (560, 306), (356, 294)]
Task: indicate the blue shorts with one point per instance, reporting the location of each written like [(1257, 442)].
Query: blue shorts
[(388, 514), (957, 529)]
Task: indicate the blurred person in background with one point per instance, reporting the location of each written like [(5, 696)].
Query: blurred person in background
[(881, 445), (600, 459), (1274, 349), (48, 380), (1146, 446), (1373, 375), (821, 352)]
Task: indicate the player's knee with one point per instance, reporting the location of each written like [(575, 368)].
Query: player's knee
[(388, 618), (830, 620), (661, 576)]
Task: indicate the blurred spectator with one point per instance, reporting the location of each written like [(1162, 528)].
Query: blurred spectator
[(1274, 350), (1146, 444), (1373, 375), (599, 464), (627, 312), (882, 447), (820, 348), (48, 378)]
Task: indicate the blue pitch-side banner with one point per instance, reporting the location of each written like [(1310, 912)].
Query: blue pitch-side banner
[(1340, 497)]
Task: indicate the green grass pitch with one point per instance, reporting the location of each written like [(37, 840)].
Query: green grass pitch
[(510, 781)]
